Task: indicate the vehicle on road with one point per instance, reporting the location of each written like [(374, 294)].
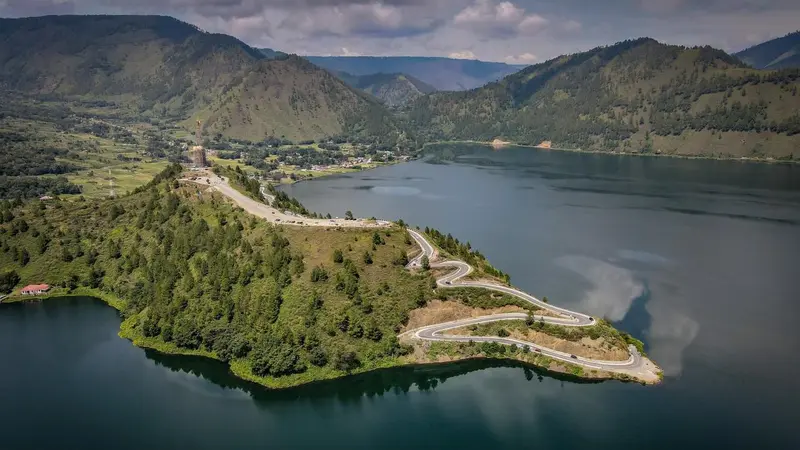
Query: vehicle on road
[(573, 356), (447, 282), (538, 350)]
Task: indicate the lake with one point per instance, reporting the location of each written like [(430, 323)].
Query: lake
[(699, 259)]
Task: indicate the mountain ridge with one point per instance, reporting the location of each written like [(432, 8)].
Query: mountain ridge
[(392, 89), (444, 74), (778, 53), (160, 67), (635, 96)]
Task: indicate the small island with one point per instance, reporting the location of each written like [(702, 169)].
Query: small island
[(203, 263)]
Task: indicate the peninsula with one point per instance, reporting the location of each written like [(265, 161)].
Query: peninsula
[(199, 265)]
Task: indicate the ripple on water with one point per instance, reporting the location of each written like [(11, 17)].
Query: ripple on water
[(396, 190)]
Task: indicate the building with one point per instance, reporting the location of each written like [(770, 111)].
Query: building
[(35, 289)]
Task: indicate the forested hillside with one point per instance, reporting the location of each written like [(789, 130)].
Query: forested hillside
[(158, 68), (196, 275), (637, 96), (779, 53), (392, 89), (292, 98)]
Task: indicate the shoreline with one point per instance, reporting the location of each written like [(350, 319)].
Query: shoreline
[(241, 371), (743, 159)]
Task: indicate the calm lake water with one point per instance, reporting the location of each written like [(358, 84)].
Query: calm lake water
[(700, 259)]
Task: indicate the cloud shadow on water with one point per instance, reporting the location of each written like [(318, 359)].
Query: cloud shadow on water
[(618, 295)]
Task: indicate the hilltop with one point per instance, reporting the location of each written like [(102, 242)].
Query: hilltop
[(443, 74), (292, 98), (159, 68), (637, 96), (392, 89), (779, 53)]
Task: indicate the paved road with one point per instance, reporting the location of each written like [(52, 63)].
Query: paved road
[(633, 365), (208, 178)]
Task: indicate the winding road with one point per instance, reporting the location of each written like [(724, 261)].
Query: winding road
[(635, 365)]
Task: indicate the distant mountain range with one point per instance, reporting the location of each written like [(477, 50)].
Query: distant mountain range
[(392, 89), (780, 53), (444, 74), (635, 96)]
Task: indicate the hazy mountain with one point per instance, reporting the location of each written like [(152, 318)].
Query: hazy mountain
[(392, 89), (272, 54), (153, 66), (775, 54), (636, 96), (444, 74)]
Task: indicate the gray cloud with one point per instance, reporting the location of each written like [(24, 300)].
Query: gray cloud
[(375, 20), (512, 30)]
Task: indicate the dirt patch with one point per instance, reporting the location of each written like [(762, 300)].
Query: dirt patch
[(586, 347), (438, 311)]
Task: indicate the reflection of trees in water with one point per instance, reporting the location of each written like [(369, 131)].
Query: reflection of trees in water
[(397, 380)]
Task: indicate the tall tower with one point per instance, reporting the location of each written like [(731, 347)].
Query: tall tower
[(112, 193), (198, 134), (199, 153)]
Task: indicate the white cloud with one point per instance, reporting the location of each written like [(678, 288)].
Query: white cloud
[(499, 20), (347, 52), (525, 58), (465, 54)]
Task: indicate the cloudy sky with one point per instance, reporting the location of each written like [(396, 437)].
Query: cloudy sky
[(516, 31)]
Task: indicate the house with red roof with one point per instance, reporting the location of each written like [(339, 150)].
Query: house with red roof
[(35, 289)]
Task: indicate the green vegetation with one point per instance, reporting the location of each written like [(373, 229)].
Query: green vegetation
[(8, 280), (464, 251), (393, 89), (160, 71), (483, 298), (636, 96), (198, 276), (601, 330)]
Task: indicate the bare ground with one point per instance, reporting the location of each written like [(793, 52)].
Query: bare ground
[(438, 311)]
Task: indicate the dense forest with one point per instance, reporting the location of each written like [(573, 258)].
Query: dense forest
[(198, 275)]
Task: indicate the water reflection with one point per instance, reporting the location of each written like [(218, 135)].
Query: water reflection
[(395, 381), (613, 288), (670, 333)]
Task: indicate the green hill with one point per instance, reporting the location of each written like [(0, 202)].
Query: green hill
[(780, 53), (636, 96), (290, 98), (158, 67), (392, 89)]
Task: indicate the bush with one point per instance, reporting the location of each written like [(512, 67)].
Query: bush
[(346, 361), (8, 281)]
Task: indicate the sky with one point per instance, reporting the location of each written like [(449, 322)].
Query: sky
[(513, 31)]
